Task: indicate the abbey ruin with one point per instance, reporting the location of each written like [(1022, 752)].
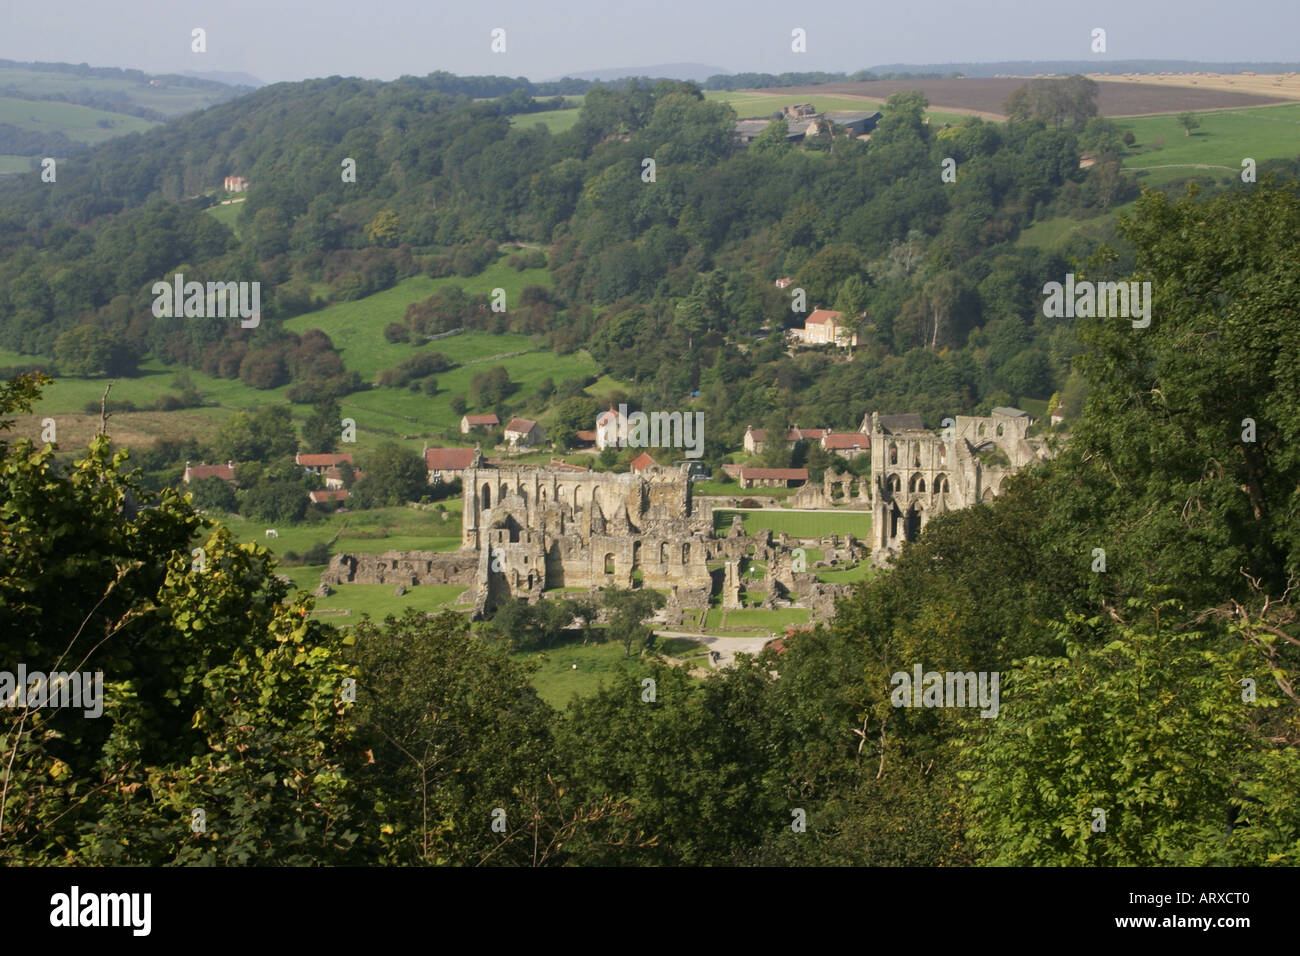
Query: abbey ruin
[(528, 529)]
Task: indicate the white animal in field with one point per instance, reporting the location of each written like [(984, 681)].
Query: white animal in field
[(272, 533)]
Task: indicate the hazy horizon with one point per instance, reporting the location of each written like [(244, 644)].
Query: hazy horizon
[(389, 38)]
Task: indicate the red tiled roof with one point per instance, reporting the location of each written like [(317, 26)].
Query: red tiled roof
[(448, 459), (805, 434), (586, 436), (197, 472), (521, 425), (473, 420), (786, 474), (821, 317), (643, 461), (845, 440), (316, 461)]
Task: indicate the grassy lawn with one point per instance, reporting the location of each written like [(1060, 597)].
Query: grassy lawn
[(773, 620), (864, 571), (798, 524), (557, 680)]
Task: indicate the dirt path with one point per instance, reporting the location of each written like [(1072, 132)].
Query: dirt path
[(726, 647)]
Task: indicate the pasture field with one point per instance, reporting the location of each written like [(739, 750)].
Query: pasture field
[(1221, 141), (168, 100), (9, 163), (356, 328), (227, 215), (362, 532), (81, 124), (555, 121)]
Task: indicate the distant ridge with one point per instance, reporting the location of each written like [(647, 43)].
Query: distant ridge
[(699, 72), (228, 78)]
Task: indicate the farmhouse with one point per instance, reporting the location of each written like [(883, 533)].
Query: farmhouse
[(771, 477), (824, 327), (755, 438), (611, 429), (847, 445), (470, 422), (319, 464), (225, 472), (335, 480), (235, 184), (525, 432), (447, 464)]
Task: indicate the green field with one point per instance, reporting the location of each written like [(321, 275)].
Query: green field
[(357, 328), (168, 100), (1224, 138), (227, 215), (14, 164), (79, 123), (798, 524), (556, 121)]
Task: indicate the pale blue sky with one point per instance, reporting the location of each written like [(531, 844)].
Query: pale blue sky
[(293, 39)]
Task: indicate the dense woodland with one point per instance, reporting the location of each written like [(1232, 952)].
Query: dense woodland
[(1158, 687)]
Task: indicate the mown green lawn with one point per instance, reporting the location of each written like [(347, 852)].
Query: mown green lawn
[(798, 524)]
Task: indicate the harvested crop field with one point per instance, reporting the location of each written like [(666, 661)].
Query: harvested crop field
[(985, 96)]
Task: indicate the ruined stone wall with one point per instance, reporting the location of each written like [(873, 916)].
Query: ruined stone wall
[(402, 567)]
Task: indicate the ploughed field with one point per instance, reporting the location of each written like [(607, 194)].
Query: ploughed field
[(985, 95)]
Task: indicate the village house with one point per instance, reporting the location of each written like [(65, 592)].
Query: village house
[(236, 184), (319, 464), (334, 480), (470, 422), (824, 327), (771, 477), (611, 430), (643, 461), (784, 282), (525, 432), (225, 472), (755, 437), (586, 440), (448, 464), (848, 445)]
